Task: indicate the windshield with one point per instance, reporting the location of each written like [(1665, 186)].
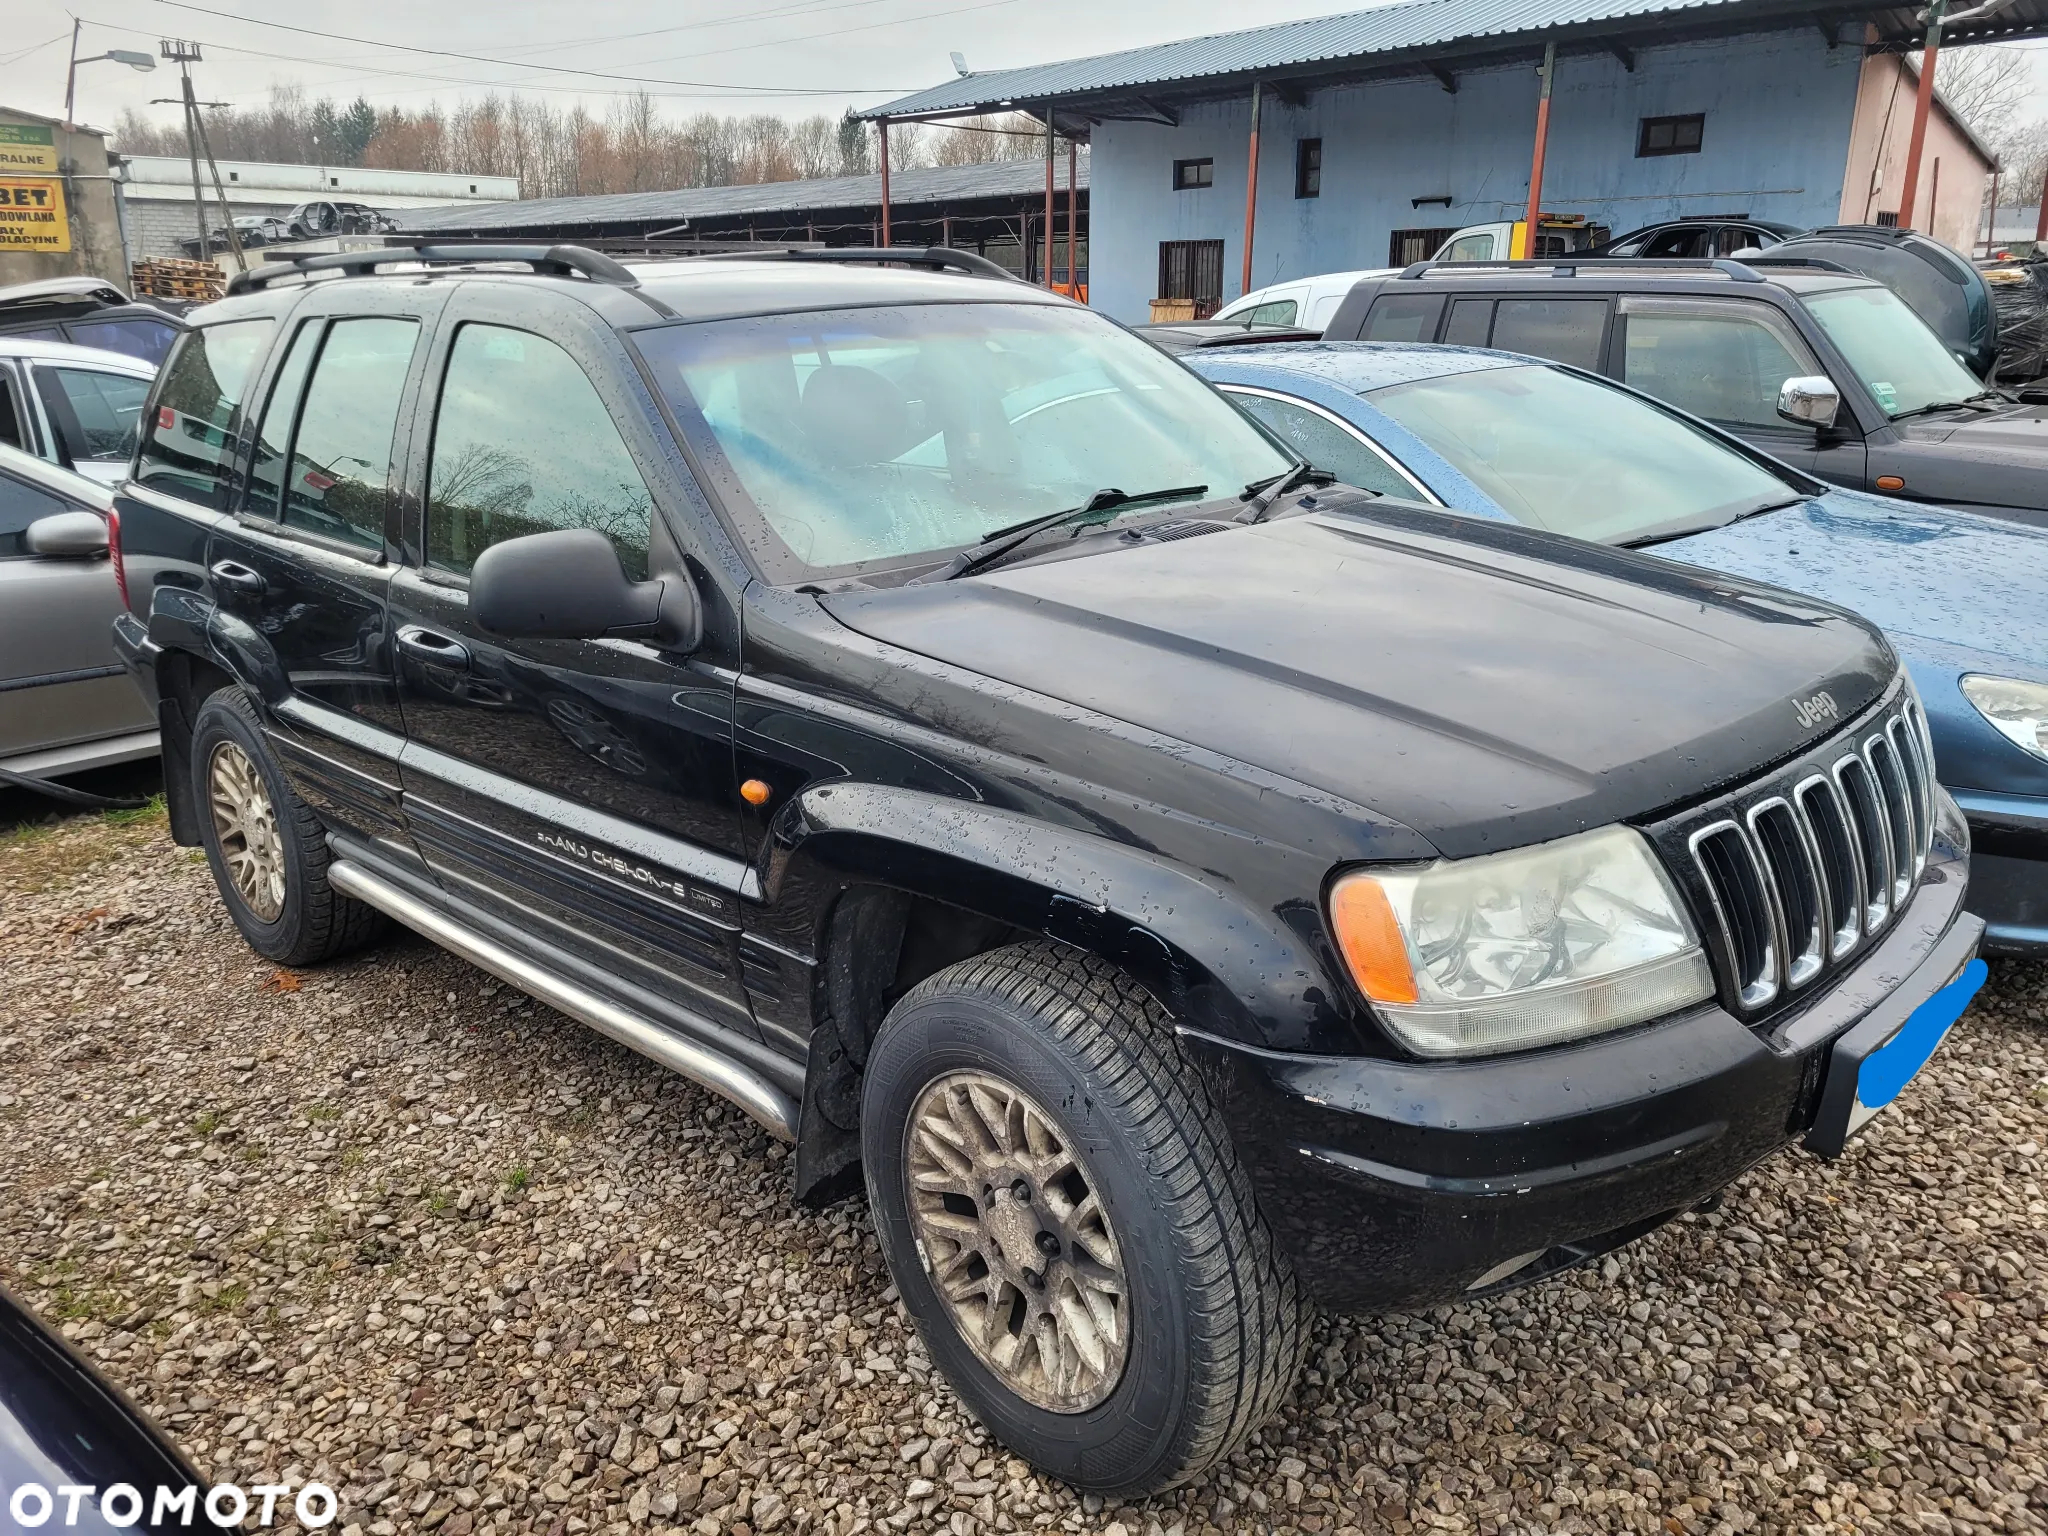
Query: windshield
[(1902, 363), (1560, 451), (862, 435)]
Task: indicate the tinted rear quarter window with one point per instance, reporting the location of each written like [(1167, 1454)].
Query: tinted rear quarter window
[(1563, 330), (1403, 317), (186, 445), (1471, 323)]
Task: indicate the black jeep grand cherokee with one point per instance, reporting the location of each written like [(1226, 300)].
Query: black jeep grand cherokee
[(1230, 893)]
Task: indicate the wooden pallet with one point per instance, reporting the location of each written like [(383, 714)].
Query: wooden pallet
[(172, 277)]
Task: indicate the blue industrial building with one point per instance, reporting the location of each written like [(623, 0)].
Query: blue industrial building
[(1382, 130)]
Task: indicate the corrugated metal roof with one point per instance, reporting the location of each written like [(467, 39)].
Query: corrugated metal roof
[(1412, 28), (639, 212)]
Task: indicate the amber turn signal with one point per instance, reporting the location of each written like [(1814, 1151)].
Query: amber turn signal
[(1891, 483), (1370, 939), (754, 792)]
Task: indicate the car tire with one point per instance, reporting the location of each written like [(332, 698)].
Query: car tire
[(268, 853), (1183, 1328)]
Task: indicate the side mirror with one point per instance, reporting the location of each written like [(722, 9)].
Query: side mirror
[(568, 585), (67, 536), (1812, 401)]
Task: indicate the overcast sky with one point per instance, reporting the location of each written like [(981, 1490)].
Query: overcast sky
[(849, 52), (793, 57)]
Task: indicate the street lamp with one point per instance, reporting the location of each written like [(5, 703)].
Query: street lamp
[(126, 56)]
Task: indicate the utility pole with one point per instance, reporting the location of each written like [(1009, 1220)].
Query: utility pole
[(185, 55), (71, 74), (1922, 100)]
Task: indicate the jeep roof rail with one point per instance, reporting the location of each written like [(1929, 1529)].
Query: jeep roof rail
[(912, 255), (1771, 258), (1568, 266), (551, 260)]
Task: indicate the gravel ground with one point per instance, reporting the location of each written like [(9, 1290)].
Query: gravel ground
[(392, 1226)]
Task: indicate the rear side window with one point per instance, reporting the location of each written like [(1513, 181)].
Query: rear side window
[(187, 443), (105, 408), (274, 436), (1468, 248), (339, 477), (1471, 323), (1403, 317), (147, 339), (1278, 312), (20, 505), (1563, 330), (523, 444)]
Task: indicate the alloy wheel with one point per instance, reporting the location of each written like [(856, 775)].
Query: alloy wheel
[(245, 827), (1010, 1228)]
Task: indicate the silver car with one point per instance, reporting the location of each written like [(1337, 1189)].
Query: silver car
[(73, 406), (66, 703)]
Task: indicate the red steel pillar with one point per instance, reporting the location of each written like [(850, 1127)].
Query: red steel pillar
[(1923, 99), (1073, 174), (1251, 193), (1536, 163)]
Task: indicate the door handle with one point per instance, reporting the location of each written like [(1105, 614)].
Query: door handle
[(236, 577), (438, 649)]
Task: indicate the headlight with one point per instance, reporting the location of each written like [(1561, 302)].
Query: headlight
[(2017, 710), (1567, 939)]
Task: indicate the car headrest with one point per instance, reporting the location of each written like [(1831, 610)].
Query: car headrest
[(854, 416)]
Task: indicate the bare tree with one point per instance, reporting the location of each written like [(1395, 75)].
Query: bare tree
[(1986, 85)]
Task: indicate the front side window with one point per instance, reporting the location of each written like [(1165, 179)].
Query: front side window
[(20, 505), (339, 477), (879, 435), (1468, 248), (523, 444), (105, 408), (186, 444), (1327, 443), (1724, 361), (1680, 244), (1900, 361), (1560, 451)]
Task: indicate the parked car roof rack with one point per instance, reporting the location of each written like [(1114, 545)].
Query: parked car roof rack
[(938, 256), (1819, 263), (551, 260), (1568, 266)]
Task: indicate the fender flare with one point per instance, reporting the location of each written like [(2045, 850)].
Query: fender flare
[(1214, 961)]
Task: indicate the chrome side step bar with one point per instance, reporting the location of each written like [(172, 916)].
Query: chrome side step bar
[(770, 1105)]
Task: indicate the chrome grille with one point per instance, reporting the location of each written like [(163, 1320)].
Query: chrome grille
[(1800, 874)]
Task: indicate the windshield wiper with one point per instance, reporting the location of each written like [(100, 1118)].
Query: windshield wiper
[(1263, 493), (999, 542), (1666, 535), (1983, 400)]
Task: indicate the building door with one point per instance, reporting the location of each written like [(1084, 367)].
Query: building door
[(1192, 269)]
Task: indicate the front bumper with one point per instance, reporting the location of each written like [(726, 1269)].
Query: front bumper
[(1396, 1184), (2008, 869)]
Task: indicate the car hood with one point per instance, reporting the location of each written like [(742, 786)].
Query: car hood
[(1952, 578), (1486, 685), (1993, 458)]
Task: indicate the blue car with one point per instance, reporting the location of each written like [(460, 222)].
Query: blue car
[(1963, 598)]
